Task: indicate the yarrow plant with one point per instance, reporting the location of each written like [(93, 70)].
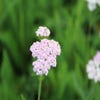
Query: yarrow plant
[(46, 52), (92, 4), (93, 68)]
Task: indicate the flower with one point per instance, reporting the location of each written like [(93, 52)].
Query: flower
[(93, 68), (45, 48), (46, 52), (92, 4), (97, 57), (40, 67), (43, 31)]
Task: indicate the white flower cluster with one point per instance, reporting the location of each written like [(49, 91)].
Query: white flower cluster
[(43, 31), (92, 4), (93, 68), (46, 52)]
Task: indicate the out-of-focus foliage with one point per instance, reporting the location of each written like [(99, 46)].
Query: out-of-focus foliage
[(72, 24)]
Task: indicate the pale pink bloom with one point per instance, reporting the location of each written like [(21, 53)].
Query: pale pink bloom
[(40, 67), (97, 57), (43, 31), (93, 68), (45, 52)]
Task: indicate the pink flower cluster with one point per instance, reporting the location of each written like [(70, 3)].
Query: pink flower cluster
[(46, 52), (93, 68)]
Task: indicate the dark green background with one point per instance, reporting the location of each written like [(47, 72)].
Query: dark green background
[(78, 32)]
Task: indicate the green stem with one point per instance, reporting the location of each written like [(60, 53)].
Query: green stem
[(39, 89)]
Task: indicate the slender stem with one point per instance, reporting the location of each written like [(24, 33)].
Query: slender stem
[(39, 89)]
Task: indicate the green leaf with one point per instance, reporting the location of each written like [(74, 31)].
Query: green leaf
[(63, 77), (11, 45), (22, 97), (7, 86)]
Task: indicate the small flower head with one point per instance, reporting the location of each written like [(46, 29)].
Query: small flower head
[(43, 31), (93, 68)]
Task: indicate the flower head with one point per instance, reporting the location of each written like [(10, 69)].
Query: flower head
[(43, 31), (93, 68)]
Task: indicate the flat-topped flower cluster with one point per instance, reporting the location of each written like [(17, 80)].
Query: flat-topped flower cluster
[(93, 68), (45, 51)]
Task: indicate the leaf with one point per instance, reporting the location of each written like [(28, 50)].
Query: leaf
[(22, 97), (7, 80), (63, 77), (6, 70), (78, 78), (11, 45)]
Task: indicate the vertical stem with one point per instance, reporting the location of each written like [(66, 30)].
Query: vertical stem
[(39, 89)]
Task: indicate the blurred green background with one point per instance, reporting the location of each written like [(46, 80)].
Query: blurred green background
[(72, 24)]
